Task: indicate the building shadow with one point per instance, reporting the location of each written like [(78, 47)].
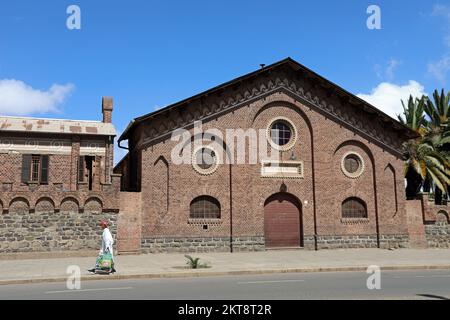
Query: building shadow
[(432, 296)]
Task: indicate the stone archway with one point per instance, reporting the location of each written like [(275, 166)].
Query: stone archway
[(283, 221)]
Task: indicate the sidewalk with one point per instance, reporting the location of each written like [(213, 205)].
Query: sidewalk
[(174, 265)]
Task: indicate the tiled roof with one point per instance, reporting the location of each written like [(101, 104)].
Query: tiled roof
[(58, 126)]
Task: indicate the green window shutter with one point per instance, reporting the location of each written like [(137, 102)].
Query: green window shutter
[(81, 169), (26, 167), (44, 169)]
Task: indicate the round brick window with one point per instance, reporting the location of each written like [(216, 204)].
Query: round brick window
[(281, 134), (352, 165), (205, 160)]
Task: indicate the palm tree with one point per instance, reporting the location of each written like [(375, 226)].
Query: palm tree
[(439, 111), (425, 163), (414, 115)]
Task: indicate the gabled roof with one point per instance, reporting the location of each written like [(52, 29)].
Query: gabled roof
[(55, 126), (406, 131)]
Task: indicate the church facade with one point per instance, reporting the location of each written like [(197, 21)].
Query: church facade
[(332, 176)]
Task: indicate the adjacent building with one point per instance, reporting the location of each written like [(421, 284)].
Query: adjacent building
[(56, 182)]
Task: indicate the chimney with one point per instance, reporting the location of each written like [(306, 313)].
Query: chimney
[(107, 108)]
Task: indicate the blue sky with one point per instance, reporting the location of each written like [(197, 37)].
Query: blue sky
[(148, 54)]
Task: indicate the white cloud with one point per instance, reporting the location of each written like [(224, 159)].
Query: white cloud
[(440, 68), (387, 96), (387, 72), (390, 69), (158, 107), (441, 10), (18, 98)]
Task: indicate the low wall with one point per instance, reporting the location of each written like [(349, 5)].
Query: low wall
[(51, 231), (204, 244), (438, 235), (361, 241)]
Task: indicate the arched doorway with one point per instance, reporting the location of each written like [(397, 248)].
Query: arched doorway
[(282, 221)]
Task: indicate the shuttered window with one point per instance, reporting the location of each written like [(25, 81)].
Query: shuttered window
[(354, 208), (26, 168), (35, 168), (44, 169), (205, 207), (81, 169)]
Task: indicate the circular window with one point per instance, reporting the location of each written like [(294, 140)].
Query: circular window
[(205, 160), (352, 165), (281, 134)]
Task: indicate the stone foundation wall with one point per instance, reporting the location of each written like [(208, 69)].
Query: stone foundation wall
[(216, 244), (257, 243), (62, 231), (357, 241), (438, 235)]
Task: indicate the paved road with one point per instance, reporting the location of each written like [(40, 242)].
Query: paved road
[(421, 284)]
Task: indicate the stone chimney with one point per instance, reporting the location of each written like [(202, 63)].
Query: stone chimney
[(107, 108)]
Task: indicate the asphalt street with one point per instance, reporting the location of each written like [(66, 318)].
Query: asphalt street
[(417, 284)]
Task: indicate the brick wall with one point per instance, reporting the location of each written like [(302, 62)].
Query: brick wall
[(168, 189), (416, 227), (129, 223)]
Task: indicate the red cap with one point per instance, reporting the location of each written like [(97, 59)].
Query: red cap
[(104, 223)]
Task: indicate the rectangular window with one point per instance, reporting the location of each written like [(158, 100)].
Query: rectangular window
[(86, 170), (35, 168)]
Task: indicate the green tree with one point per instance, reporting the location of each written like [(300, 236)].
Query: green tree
[(426, 158), (438, 110), (414, 117)]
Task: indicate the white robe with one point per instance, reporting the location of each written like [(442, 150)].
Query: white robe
[(107, 242)]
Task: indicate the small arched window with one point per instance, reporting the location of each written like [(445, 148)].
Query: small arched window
[(354, 208), (205, 207)]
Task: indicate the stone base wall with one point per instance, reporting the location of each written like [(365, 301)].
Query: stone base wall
[(438, 235), (216, 244), (257, 243), (43, 232), (357, 241), (395, 241)]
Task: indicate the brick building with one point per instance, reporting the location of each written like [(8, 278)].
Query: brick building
[(277, 158), (338, 181), (56, 182)]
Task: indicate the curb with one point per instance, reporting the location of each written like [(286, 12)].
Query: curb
[(197, 274)]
